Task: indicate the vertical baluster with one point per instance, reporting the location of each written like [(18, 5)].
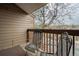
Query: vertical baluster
[(33, 37), (61, 46), (53, 43), (67, 47), (37, 35), (57, 43), (73, 51), (36, 39), (44, 41), (50, 43), (47, 42), (40, 39)]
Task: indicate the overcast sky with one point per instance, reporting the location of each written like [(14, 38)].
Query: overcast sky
[(75, 16)]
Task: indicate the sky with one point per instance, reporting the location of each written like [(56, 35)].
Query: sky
[(75, 16)]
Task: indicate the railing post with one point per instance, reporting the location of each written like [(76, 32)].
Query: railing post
[(27, 35)]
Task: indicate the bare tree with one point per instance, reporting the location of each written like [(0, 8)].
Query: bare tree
[(53, 13)]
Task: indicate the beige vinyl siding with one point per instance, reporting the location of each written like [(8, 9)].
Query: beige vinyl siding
[(13, 25)]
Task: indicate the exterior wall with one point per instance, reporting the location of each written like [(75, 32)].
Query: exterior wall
[(13, 25)]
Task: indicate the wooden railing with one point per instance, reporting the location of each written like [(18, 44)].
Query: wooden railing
[(48, 40)]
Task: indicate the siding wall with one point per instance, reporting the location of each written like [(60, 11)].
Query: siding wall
[(13, 25)]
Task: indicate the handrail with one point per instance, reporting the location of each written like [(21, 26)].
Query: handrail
[(57, 31)]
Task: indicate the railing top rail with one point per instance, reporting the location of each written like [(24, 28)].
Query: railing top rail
[(56, 31)]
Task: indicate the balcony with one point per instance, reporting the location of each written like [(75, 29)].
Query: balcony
[(16, 18)]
